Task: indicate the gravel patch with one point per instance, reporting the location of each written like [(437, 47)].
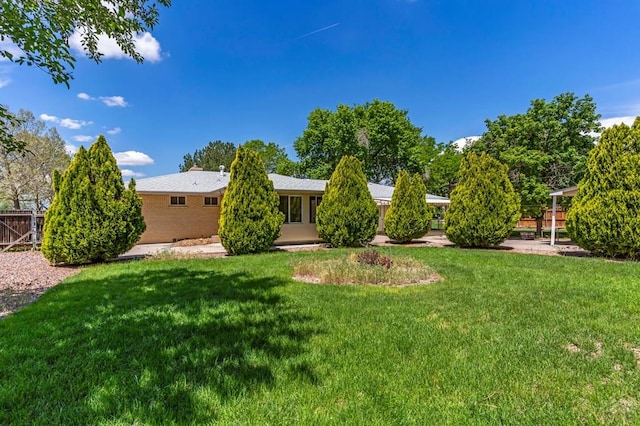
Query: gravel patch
[(24, 277)]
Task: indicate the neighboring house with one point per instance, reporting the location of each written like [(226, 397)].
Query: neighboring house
[(187, 205)]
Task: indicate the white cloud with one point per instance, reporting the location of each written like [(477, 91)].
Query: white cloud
[(610, 122), (85, 96), (133, 158), (4, 82), (70, 148), (72, 124), (47, 117), (461, 143), (83, 138), (68, 123), (145, 44), (114, 101), (114, 131), (11, 48), (131, 173)]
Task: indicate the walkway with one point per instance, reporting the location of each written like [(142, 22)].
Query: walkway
[(540, 246)]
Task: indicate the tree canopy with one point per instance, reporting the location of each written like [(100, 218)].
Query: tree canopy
[(211, 157), (545, 148), (377, 133), (25, 177), (273, 156), (40, 30), (442, 170)]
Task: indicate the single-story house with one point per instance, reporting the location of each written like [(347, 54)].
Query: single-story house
[(187, 205)]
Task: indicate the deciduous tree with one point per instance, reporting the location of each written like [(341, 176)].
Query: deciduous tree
[(377, 133), (211, 157), (484, 207), (545, 148), (25, 177), (605, 214), (348, 215), (273, 156), (40, 30)]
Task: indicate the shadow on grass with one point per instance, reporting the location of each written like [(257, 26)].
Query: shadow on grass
[(169, 345)]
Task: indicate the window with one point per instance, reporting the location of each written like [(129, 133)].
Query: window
[(291, 207), (284, 207), (314, 202), (178, 201), (210, 201)]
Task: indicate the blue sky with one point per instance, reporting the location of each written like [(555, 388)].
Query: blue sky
[(240, 70)]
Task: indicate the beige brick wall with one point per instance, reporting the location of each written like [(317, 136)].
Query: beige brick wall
[(166, 223)]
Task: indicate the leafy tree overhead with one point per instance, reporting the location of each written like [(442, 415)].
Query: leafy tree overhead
[(250, 219), (273, 156), (605, 214), (40, 30), (377, 133), (347, 215), (409, 215), (211, 157), (442, 170), (92, 217), (483, 207), (25, 178), (545, 148)]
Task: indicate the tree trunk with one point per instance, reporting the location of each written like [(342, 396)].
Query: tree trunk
[(539, 226)]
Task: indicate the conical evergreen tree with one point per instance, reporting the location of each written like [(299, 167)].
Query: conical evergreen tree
[(92, 217), (347, 215), (605, 214), (250, 219), (409, 215), (484, 208)]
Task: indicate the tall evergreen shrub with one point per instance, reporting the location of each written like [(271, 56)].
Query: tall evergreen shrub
[(347, 216), (409, 215), (250, 219), (92, 217), (605, 214), (484, 207)]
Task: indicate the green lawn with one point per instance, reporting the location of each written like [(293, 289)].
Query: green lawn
[(237, 341)]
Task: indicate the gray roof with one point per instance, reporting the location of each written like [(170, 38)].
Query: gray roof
[(203, 182), (193, 182)]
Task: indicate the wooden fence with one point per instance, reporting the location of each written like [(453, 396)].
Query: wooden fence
[(546, 221), (20, 228)]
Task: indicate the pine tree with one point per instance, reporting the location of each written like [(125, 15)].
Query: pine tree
[(347, 216), (409, 215), (250, 219), (484, 207), (92, 217), (605, 214)]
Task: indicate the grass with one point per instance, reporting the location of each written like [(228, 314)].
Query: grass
[(504, 338)]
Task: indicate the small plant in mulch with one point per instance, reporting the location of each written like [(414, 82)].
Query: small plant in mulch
[(368, 267), (373, 258)]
